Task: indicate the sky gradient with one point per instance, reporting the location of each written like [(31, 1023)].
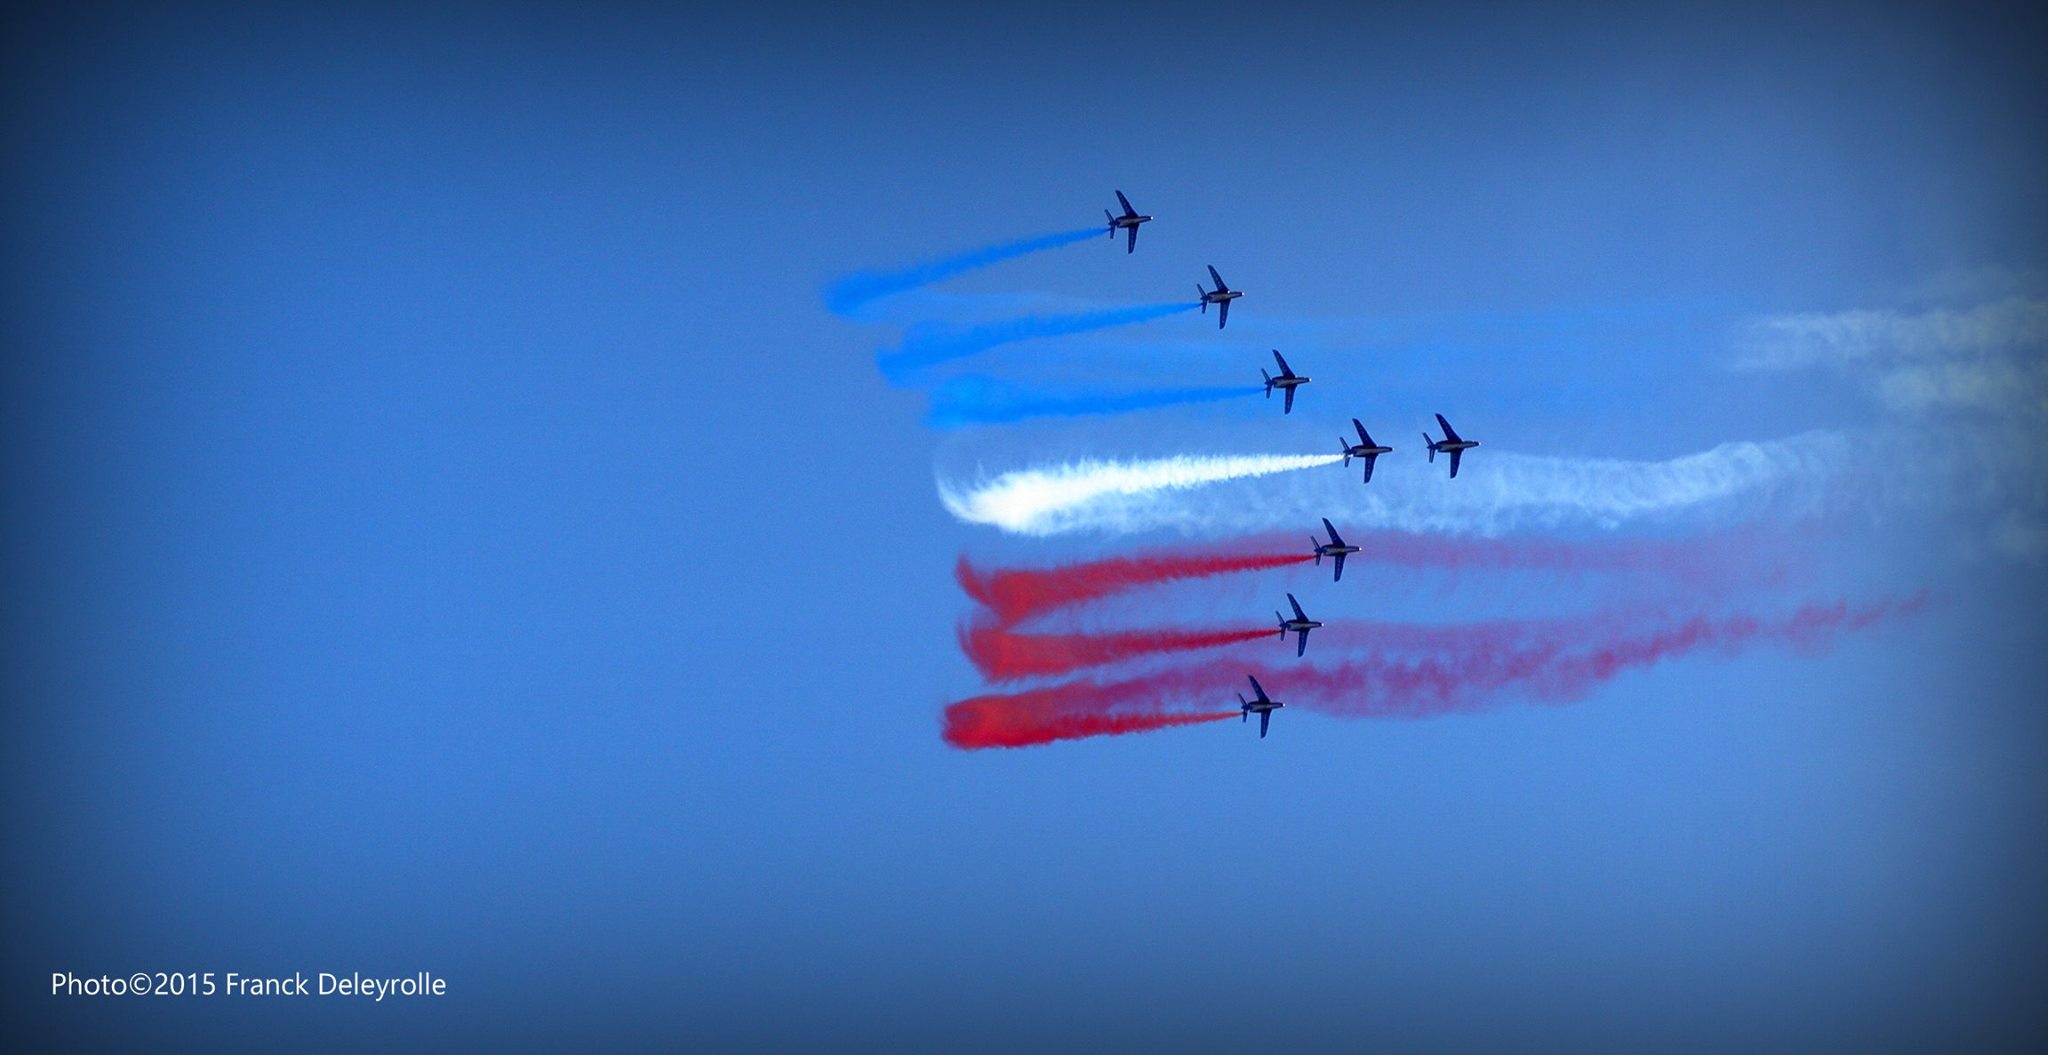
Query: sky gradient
[(451, 529)]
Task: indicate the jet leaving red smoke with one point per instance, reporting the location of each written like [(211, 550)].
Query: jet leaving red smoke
[(1016, 594), (1459, 677), (1471, 679), (1005, 656)]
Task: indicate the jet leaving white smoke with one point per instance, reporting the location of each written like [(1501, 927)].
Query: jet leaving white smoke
[(1496, 492)]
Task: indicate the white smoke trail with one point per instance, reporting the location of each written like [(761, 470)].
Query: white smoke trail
[(1496, 492), (1076, 495)]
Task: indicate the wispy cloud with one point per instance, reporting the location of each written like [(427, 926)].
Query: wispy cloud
[(1961, 379), (1988, 357)]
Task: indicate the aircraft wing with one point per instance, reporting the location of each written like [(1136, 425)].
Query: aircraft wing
[(1335, 539), (1126, 203), (1339, 577), (1131, 243), (1301, 643), (1369, 459), (1285, 370), (1265, 719), (1454, 463), (1450, 434), (1222, 314), (1220, 287), (1298, 614), (1259, 690), (1363, 439), (1288, 407)]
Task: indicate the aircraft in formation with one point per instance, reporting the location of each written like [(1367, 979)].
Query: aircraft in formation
[(1263, 706), (1221, 296), (1452, 444), (1334, 548), (1287, 381), (1365, 448), (1301, 624), (1129, 221)]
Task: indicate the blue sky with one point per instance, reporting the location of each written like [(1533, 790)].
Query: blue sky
[(449, 532)]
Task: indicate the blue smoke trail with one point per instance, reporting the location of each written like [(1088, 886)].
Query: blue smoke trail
[(931, 344), (850, 293), (976, 400)]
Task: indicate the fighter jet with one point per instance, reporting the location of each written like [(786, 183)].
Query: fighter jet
[(1221, 296), (1364, 448), (1451, 444), (1263, 706), (1129, 221), (1287, 382), (1300, 624), (1334, 548)]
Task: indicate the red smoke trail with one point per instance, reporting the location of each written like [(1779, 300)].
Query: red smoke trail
[(1004, 656), (1062, 712), (1466, 674), (1016, 594), (1677, 558), (1466, 679), (1811, 629)]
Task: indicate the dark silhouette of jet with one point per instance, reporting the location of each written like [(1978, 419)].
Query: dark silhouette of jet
[(1364, 448), (1301, 624), (1287, 382), (1129, 221), (1452, 444), (1263, 706), (1334, 548), (1221, 296)]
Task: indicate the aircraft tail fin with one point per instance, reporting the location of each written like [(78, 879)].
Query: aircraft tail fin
[(1203, 295), (1112, 223), (1432, 447)]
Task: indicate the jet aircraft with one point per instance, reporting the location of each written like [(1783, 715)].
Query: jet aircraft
[(1221, 296), (1286, 382), (1452, 444), (1334, 548), (1364, 448), (1263, 706), (1129, 221), (1301, 624)]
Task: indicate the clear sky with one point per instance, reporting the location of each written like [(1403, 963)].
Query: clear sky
[(447, 530)]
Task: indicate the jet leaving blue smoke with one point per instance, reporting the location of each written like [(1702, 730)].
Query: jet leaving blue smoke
[(976, 400), (930, 344), (850, 293)]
